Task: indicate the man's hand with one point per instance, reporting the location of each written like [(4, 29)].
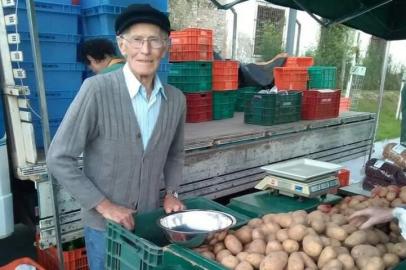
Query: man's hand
[(371, 216), (117, 213), (172, 204)]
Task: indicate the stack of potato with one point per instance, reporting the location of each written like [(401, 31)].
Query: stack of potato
[(322, 239)]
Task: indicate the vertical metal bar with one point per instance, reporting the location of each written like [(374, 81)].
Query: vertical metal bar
[(36, 53), (234, 44), (290, 37), (299, 33), (380, 98)]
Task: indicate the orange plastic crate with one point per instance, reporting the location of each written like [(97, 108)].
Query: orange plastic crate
[(190, 56), (291, 78), (192, 36), (225, 85), (299, 62), (191, 48), (225, 75), (73, 260), (28, 261)]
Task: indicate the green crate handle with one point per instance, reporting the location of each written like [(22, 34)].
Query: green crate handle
[(131, 243)]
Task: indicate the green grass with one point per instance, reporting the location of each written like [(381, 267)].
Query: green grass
[(389, 127)]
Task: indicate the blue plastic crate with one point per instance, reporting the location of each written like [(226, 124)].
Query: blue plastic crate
[(61, 76), (51, 18), (55, 48), (53, 127), (63, 2), (2, 122), (58, 103), (161, 5)]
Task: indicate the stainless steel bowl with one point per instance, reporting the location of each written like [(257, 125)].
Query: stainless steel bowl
[(192, 228)]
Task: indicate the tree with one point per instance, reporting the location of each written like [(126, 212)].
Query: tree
[(271, 42)]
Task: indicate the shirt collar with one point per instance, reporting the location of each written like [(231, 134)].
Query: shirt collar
[(133, 84)]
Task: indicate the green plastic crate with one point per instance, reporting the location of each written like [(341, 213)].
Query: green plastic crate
[(321, 77), (243, 95), (223, 104), (196, 69), (271, 109), (400, 266), (143, 248), (264, 202), (191, 84)]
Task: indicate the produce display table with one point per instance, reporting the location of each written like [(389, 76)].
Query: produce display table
[(263, 202)]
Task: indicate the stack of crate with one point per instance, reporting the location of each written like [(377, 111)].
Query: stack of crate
[(57, 25), (225, 86), (98, 17), (191, 54)]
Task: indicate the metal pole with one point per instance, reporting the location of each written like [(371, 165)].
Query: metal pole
[(234, 44), (381, 90), (44, 118), (299, 32), (399, 101), (290, 37)]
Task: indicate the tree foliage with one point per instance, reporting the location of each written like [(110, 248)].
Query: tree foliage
[(271, 42)]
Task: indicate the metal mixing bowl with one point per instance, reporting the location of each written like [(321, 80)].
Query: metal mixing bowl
[(191, 228)]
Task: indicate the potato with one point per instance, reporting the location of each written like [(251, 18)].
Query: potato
[(394, 227), (364, 251), (295, 262), (270, 237), (312, 245), (347, 261), (270, 227), (356, 238), (396, 202), (222, 235), (233, 244), (327, 254), (400, 249), (255, 259), (242, 255), (390, 259), (338, 219), (273, 246), (255, 222), (318, 225), (341, 250), (390, 247), (335, 243), (334, 264), (284, 220), (309, 263), (290, 245), (402, 195), (336, 232), (383, 237), (244, 266), (217, 247), (257, 233), (325, 240), (230, 261), (311, 231), (382, 248), (372, 237), (276, 260), (244, 234), (221, 254), (299, 217), (349, 228), (282, 235), (374, 263), (208, 254), (256, 246), (269, 218), (361, 262), (391, 195), (297, 232)]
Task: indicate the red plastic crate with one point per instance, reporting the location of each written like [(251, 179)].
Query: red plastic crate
[(180, 56), (192, 36), (320, 104), (345, 104), (291, 78), (191, 48), (73, 260), (199, 107), (299, 62)]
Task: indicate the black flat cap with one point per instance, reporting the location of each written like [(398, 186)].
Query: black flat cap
[(141, 13)]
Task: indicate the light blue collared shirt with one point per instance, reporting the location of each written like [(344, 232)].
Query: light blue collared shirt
[(146, 111)]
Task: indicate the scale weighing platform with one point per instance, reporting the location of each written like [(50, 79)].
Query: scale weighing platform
[(301, 177)]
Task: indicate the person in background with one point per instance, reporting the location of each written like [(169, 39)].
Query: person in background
[(99, 54), (130, 128)]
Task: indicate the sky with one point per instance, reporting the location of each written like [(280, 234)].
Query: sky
[(310, 30)]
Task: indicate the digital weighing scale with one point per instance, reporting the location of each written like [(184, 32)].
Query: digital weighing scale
[(301, 177)]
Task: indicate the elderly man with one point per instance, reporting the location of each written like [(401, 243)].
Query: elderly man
[(130, 129)]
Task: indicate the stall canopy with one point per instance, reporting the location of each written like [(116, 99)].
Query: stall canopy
[(382, 18)]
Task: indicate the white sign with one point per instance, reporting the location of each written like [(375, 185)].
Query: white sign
[(358, 70)]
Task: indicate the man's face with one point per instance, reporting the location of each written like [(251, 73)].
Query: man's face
[(140, 45)]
